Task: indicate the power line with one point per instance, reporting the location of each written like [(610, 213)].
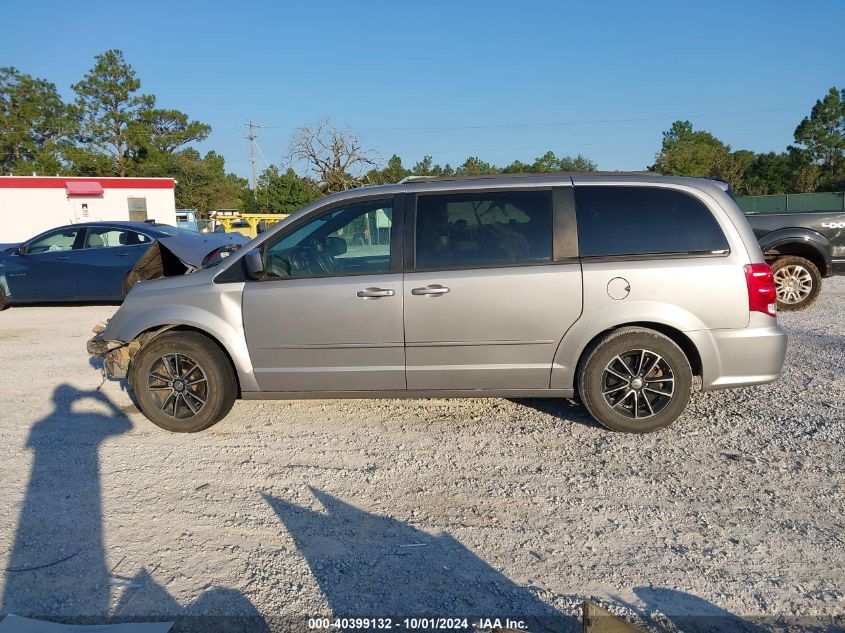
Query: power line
[(562, 123), (263, 157)]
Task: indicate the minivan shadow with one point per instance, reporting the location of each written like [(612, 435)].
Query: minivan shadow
[(571, 410), (372, 565)]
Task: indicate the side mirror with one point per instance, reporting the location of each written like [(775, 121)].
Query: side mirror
[(334, 246), (254, 264), (20, 250)]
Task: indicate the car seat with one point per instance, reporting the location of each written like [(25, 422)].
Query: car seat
[(95, 241)]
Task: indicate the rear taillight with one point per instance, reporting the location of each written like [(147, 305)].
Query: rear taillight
[(762, 296)]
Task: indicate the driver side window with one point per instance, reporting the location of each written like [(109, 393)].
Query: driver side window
[(350, 240), (63, 240)]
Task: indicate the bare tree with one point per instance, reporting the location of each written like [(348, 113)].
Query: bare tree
[(336, 157)]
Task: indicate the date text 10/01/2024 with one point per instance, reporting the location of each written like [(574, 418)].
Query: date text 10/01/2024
[(415, 623)]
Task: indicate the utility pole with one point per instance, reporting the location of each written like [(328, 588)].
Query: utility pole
[(252, 136)]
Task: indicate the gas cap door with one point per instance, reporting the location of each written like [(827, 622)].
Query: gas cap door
[(618, 288)]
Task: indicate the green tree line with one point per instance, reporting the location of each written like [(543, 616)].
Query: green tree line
[(112, 128), (816, 162)]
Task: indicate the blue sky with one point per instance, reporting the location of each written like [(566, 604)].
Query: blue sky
[(501, 80)]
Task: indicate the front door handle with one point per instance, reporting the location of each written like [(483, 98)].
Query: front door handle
[(433, 289), (63, 259), (375, 293)]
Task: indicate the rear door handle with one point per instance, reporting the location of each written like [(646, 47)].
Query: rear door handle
[(433, 289), (123, 254), (375, 293)]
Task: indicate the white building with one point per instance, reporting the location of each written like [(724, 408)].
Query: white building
[(30, 205)]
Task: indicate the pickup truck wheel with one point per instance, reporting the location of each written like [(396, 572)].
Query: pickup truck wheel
[(797, 281), (183, 382), (635, 380), (4, 303)]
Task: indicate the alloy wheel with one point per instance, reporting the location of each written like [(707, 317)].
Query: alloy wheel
[(638, 384), (793, 283), (178, 385)]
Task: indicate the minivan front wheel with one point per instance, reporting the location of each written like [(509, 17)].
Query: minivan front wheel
[(635, 380), (183, 382)]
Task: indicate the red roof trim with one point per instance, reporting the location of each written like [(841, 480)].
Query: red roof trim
[(47, 182)]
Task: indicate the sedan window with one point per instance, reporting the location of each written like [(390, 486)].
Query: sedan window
[(109, 238), (56, 241)]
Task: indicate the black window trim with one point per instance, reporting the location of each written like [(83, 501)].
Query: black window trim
[(656, 255), (642, 257), (396, 234), (563, 218)]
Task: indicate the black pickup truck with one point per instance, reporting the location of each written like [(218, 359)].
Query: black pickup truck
[(802, 248)]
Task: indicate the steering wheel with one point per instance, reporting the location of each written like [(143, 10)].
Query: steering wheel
[(320, 257)]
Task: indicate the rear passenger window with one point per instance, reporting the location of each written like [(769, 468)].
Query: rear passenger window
[(483, 229), (642, 221), (109, 238)]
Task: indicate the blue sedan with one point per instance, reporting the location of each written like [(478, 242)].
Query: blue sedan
[(89, 262)]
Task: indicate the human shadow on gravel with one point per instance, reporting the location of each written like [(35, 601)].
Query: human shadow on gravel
[(58, 553), (560, 408), (374, 566), (57, 568)]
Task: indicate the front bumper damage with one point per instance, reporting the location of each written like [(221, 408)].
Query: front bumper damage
[(117, 355), (157, 261)]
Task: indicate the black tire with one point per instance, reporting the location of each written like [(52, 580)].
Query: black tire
[(4, 303), (167, 390), (792, 276), (619, 405)]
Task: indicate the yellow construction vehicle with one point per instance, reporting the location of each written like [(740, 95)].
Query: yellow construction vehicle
[(245, 223)]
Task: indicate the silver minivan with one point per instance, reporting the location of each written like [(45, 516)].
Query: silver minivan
[(615, 289)]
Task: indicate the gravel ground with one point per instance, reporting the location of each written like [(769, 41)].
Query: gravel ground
[(368, 508)]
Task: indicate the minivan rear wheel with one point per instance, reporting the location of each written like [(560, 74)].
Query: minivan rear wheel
[(635, 380), (183, 382)]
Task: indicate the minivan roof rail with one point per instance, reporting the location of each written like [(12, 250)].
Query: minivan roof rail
[(545, 174)]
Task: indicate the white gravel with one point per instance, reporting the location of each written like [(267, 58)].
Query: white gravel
[(375, 508)]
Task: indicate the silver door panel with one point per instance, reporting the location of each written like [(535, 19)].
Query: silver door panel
[(495, 329), (318, 334)]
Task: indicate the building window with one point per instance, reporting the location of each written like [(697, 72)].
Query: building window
[(137, 209)]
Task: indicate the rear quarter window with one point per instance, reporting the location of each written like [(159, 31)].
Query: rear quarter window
[(616, 221)]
